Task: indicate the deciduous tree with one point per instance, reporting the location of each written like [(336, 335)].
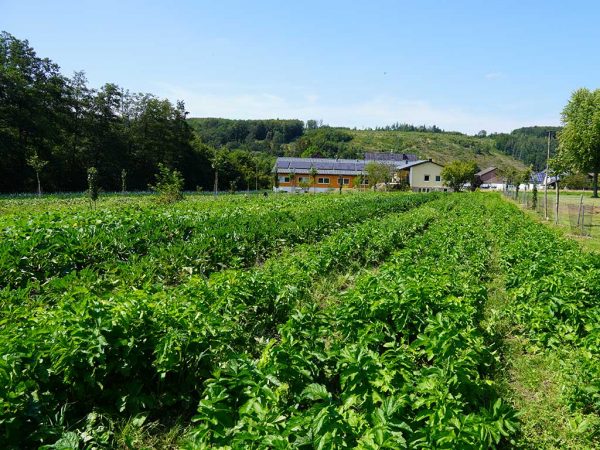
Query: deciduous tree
[(37, 164), (579, 141), (458, 173), (93, 187), (313, 178), (379, 173)]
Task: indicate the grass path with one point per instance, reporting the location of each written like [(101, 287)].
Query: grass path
[(533, 380), (588, 243)]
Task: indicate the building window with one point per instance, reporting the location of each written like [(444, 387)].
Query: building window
[(303, 179), (426, 178), (438, 178), (323, 180), (345, 180), (365, 181), (284, 179)]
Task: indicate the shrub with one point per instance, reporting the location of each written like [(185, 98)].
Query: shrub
[(93, 188), (458, 173), (169, 184)]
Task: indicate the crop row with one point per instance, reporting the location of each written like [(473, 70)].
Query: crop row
[(397, 362), (554, 290), (167, 243), (134, 351), (28, 206)]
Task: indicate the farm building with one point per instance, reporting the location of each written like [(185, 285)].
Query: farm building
[(295, 174), (490, 178)]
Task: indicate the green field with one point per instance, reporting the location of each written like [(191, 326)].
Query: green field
[(569, 204), (367, 320)]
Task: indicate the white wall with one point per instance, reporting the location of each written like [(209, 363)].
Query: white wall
[(417, 176)]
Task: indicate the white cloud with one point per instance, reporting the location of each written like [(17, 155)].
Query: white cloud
[(312, 98), (377, 111), (493, 75)]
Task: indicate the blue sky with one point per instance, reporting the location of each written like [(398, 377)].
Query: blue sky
[(462, 65)]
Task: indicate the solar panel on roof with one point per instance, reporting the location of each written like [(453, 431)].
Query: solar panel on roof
[(324, 165), (344, 166), (300, 164)]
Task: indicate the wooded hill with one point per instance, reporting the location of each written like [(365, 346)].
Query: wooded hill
[(522, 147), (293, 138), (528, 144), (441, 147)]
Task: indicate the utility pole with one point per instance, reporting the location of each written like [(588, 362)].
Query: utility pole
[(546, 180)]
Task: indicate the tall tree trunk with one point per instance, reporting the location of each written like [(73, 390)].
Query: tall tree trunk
[(37, 174), (595, 185)]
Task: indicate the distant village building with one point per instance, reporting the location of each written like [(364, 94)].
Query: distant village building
[(425, 176), (490, 178), (540, 179), (294, 174)]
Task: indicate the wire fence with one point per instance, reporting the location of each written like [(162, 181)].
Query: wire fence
[(572, 211)]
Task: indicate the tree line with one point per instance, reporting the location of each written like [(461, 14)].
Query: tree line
[(258, 135), (53, 128), (397, 126), (528, 144)]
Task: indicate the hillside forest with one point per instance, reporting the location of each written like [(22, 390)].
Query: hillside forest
[(66, 126)]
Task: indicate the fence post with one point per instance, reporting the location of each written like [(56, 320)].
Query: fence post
[(546, 194), (582, 217), (579, 210), (557, 200)]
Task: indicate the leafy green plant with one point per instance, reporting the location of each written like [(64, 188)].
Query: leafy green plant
[(168, 185), (93, 191), (145, 328), (458, 173), (37, 164), (397, 356)]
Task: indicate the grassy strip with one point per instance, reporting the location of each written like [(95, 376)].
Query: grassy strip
[(588, 243)]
